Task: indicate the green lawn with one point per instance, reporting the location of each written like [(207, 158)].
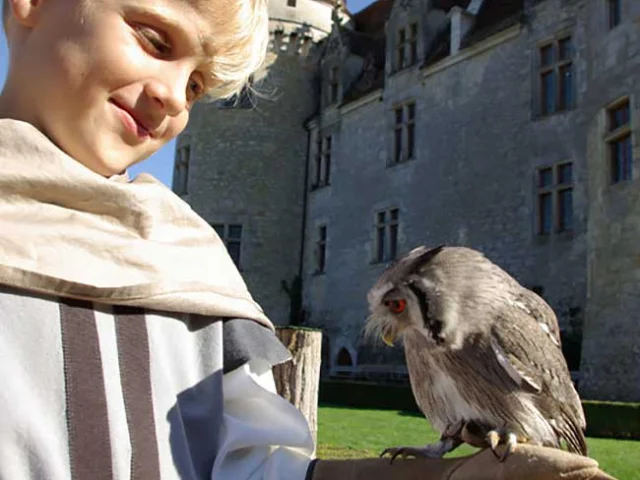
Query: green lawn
[(347, 432)]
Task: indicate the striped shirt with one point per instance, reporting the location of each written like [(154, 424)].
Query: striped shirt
[(93, 391)]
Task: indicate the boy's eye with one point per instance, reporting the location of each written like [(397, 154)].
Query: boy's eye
[(195, 89), (154, 40)]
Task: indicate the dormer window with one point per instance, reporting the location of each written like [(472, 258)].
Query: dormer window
[(407, 48), (333, 85), (413, 43)]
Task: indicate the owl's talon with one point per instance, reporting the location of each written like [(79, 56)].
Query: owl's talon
[(393, 451), (512, 441), (395, 455), (494, 437), (396, 452)]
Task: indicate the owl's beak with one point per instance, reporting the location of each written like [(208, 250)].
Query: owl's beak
[(388, 337)]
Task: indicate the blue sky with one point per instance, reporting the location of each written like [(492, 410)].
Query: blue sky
[(160, 165)]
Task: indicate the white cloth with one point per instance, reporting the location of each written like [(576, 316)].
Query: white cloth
[(265, 437)]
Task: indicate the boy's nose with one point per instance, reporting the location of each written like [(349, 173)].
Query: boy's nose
[(168, 96)]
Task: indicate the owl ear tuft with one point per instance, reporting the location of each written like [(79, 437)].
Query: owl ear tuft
[(425, 257)]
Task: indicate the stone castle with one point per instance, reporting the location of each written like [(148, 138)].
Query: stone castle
[(510, 126)]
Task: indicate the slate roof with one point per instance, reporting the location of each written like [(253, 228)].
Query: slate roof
[(368, 41)]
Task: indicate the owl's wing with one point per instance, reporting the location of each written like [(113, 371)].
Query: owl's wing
[(533, 361), (536, 307)]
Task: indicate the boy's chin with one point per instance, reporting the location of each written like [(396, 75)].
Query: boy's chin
[(107, 167), (105, 153), (114, 161)]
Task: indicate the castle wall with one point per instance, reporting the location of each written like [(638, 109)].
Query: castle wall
[(472, 182), (611, 348)]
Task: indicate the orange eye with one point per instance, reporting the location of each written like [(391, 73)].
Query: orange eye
[(396, 306)]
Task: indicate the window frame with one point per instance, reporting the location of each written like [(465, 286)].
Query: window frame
[(404, 133), (322, 161), (228, 239), (406, 51), (401, 39), (560, 222), (557, 66), (333, 85), (386, 235), (615, 135)]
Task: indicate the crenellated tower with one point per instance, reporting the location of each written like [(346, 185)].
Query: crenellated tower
[(241, 163)]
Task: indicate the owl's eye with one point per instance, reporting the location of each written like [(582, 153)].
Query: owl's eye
[(396, 306)]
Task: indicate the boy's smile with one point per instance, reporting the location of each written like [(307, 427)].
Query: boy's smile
[(109, 81), (132, 121)]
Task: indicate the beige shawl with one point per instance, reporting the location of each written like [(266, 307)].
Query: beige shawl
[(67, 231)]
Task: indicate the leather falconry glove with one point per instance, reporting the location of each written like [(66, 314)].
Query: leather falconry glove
[(527, 462)]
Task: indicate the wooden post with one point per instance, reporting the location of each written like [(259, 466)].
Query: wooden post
[(298, 379)]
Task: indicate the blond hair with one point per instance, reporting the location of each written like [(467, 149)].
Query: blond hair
[(242, 49)]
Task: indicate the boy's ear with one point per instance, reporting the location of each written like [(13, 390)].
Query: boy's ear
[(26, 12)]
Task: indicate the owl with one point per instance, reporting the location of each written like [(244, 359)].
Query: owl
[(483, 353)]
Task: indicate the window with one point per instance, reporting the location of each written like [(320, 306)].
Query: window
[(404, 133), (386, 233), (556, 76), (333, 85), (402, 41), (291, 3), (231, 235), (321, 249), (181, 170), (614, 12), (322, 162), (619, 141), (554, 198), (407, 47), (413, 43)]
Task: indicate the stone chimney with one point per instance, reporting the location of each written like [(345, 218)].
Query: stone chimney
[(461, 22)]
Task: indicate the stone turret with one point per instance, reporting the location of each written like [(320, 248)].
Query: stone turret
[(241, 164)]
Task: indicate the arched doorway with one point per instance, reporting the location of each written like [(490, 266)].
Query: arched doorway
[(344, 358)]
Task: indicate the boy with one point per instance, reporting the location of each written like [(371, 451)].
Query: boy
[(130, 346)]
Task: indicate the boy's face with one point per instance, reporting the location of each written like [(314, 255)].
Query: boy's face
[(111, 81)]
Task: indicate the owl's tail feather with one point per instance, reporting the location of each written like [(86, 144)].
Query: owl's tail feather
[(571, 433)]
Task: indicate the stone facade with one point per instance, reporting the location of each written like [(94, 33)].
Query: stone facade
[(611, 349), (469, 88)]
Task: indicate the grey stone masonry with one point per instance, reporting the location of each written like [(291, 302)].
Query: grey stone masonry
[(611, 349)]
